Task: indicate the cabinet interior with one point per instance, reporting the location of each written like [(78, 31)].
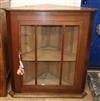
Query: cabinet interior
[(48, 53)]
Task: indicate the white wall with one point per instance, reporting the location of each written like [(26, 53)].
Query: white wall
[(16, 3), (4, 3)]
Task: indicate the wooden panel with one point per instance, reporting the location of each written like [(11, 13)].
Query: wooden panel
[(3, 64), (2, 72)]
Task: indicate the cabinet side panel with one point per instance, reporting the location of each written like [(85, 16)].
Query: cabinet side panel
[(84, 50)]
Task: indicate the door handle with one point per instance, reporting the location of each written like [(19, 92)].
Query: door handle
[(20, 70)]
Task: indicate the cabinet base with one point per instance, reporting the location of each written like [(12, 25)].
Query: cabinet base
[(46, 95)]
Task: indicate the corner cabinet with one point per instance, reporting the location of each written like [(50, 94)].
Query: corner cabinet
[(49, 49)]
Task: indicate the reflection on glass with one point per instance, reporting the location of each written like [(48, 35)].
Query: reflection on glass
[(29, 76), (28, 43), (49, 43), (48, 73), (68, 73), (70, 42)]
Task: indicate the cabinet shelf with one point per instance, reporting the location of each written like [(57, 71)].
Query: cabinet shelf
[(48, 55), (48, 73), (46, 79)]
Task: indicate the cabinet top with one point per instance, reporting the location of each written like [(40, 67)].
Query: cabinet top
[(47, 7)]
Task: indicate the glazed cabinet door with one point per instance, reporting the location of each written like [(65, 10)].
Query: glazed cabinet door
[(48, 54)]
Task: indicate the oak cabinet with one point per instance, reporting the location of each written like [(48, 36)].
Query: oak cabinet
[(49, 49)]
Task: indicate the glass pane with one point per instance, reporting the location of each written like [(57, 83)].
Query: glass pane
[(28, 43), (70, 43), (29, 75), (68, 73), (48, 73), (49, 43)]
